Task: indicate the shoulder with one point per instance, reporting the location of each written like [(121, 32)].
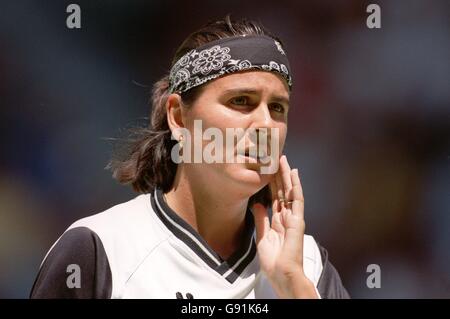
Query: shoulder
[(125, 215), (321, 271), (132, 223), (129, 232), (75, 267), (312, 260), (113, 243), (330, 285)]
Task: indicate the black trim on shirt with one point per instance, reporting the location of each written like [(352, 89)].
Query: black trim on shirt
[(330, 284), (80, 246)]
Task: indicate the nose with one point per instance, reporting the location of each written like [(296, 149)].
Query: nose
[(261, 117), (261, 125)]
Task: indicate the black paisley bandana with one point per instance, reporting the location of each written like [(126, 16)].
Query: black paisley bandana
[(228, 55)]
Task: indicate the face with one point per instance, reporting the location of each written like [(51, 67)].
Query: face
[(247, 100)]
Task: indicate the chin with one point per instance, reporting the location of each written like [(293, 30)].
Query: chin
[(248, 177)]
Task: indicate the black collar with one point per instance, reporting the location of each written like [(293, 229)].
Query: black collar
[(231, 268)]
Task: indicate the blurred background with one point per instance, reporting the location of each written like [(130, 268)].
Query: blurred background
[(369, 125)]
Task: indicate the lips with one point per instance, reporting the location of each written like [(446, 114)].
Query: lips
[(251, 153)]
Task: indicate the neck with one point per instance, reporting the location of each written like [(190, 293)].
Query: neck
[(216, 214)]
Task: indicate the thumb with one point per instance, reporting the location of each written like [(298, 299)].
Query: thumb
[(262, 222)]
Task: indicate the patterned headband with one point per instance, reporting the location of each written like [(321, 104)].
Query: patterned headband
[(228, 55)]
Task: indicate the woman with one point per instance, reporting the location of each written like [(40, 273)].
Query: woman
[(201, 228)]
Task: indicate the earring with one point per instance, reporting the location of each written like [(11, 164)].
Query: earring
[(180, 140)]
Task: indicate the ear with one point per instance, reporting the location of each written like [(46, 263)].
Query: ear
[(174, 113)]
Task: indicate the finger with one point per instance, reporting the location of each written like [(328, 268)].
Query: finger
[(277, 223), (279, 187), (293, 243), (273, 191), (295, 227), (262, 223), (286, 177), (297, 192)]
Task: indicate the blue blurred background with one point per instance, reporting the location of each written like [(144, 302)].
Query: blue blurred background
[(369, 125)]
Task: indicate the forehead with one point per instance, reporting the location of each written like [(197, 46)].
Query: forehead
[(262, 81)]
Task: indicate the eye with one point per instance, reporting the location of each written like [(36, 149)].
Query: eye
[(240, 100), (277, 107)]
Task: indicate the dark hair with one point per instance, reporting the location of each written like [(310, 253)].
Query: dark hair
[(146, 163)]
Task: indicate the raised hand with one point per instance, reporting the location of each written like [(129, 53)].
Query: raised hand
[(280, 243)]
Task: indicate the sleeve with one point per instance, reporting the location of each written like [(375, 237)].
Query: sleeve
[(76, 267), (330, 284)]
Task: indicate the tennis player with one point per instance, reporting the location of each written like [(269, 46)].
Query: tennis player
[(202, 229)]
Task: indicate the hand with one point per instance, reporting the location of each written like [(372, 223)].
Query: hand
[(280, 243)]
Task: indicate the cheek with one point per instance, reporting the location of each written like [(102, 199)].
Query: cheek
[(219, 116)]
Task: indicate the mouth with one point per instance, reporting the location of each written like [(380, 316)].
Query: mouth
[(252, 156)]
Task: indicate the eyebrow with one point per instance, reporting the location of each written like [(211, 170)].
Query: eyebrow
[(276, 98)]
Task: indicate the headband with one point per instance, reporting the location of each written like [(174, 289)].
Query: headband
[(228, 55)]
